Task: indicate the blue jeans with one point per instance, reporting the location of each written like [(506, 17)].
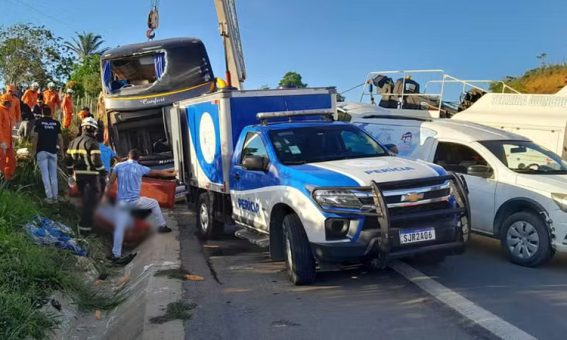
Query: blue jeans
[(47, 163)]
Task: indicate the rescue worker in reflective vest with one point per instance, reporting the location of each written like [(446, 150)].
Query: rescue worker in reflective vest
[(84, 162), (51, 99), (30, 96), (67, 107), (16, 115), (7, 156)]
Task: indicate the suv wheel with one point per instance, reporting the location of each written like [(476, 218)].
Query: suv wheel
[(299, 259), (525, 239), (208, 228)]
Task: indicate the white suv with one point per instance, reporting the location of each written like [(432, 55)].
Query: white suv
[(517, 189)]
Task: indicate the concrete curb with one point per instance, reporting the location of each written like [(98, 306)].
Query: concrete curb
[(148, 295)]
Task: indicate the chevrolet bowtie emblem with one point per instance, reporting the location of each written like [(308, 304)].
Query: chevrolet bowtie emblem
[(412, 197)]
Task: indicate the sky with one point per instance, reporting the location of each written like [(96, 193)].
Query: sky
[(332, 42)]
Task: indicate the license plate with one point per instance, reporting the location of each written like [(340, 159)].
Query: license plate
[(417, 235)]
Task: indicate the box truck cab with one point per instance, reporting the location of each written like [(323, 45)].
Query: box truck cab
[(517, 189), (276, 164)]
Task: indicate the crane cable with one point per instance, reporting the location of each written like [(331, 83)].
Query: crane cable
[(153, 19)]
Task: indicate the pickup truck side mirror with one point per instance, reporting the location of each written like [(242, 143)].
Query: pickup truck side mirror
[(255, 163), (392, 149), (483, 171)]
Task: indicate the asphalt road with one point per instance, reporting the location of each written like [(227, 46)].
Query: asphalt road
[(246, 296), (532, 299)]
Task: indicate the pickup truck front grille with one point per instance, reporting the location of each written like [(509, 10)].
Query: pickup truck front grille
[(410, 197)]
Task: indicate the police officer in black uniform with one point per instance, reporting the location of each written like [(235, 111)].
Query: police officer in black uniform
[(83, 160)]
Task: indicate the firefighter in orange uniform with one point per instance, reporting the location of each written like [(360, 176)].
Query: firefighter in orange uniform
[(7, 156), (16, 111), (51, 99), (30, 96), (67, 107)]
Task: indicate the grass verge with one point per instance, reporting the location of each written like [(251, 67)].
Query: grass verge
[(29, 274)]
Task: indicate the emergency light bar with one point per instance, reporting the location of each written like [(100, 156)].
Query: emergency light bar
[(263, 116)]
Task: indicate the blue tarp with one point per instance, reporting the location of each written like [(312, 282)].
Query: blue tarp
[(44, 231)]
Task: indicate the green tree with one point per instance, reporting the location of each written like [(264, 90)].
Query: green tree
[(85, 44), (86, 76), (293, 80), (32, 53)]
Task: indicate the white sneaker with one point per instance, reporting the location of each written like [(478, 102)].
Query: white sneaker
[(49, 200)]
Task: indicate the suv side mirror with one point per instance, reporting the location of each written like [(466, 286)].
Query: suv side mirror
[(483, 171), (255, 163)]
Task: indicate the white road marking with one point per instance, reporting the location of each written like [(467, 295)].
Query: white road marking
[(462, 305)]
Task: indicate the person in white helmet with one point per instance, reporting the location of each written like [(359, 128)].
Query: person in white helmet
[(30, 95), (51, 98), (84, 163)]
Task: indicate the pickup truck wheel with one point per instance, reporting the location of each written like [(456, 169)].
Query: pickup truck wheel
[(525, 239), (208, 228), (299, 259)]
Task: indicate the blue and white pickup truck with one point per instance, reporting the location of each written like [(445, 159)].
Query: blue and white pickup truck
[(275, 163)]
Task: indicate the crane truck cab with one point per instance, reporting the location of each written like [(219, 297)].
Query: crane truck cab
[(517, 188), (313, 190)]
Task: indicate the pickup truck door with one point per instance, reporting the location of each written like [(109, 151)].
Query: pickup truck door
[(457, 158), (250, 188)]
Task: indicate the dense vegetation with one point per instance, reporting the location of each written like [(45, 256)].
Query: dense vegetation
[(29, 274), (546, 79)]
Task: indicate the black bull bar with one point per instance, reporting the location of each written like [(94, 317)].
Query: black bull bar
[(458, 189)]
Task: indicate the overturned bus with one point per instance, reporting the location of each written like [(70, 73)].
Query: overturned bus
[(140, 82)]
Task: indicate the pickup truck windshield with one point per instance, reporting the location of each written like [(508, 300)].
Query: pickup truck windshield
[(526, 157), (322, 144)]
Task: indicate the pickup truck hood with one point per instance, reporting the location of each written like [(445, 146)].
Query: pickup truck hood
[(544, 183), (381, 169)]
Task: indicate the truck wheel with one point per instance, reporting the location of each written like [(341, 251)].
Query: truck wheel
[(525, 239), (208, 228), (299, 259)]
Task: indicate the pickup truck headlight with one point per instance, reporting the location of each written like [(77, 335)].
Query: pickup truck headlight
[(345, 199), (560, 200)]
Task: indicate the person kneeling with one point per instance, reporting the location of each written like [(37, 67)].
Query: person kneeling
[(129, 175)]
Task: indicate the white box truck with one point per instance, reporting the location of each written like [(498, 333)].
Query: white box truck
[(276, 164)]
